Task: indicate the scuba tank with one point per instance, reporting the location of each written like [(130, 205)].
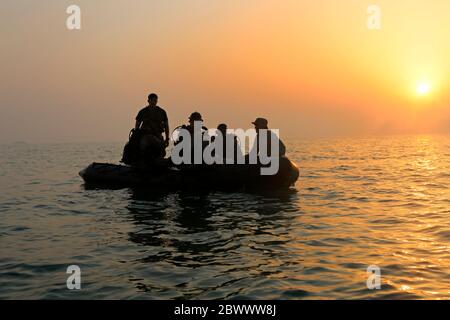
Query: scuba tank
[(132, 148)]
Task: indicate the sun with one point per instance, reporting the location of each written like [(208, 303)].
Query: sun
[(423, 89)]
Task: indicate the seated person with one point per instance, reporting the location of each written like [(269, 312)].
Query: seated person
[(261, 125), (229, 138), (195, 123)]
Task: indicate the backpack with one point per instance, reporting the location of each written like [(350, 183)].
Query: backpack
[(132, 147)]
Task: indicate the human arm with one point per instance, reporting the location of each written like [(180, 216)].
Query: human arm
[(137, 125), (166, 129), (167, 132), (139, 119)]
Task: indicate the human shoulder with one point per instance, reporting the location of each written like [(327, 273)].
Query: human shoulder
[(144, 109), (162, 111), (142, 112)]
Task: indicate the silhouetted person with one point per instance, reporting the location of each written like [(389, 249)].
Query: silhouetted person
[(152, 121), (229, 138), (195, 123), (193, 118), (260, 125)]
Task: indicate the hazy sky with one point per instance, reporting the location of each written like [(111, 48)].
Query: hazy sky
[(313, 68)]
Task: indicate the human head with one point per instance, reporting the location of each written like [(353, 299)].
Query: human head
[(195, 116), (261, 123), (222, 128), (152, 99)]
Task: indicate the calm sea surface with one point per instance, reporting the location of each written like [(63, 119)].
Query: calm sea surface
[(359, 202)]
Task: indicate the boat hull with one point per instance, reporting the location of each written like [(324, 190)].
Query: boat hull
[(232, 177)]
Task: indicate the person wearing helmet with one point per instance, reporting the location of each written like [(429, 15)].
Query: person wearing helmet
[(194, 117), (195, 123)]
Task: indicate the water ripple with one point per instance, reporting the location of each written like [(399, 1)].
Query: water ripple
[(359, 202)]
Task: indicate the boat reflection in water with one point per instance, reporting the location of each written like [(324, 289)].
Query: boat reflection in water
[(209, 245)]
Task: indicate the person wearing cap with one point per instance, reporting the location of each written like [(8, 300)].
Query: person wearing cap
[(152, 122), (261, 125)]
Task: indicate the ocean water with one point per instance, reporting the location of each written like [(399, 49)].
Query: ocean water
[(358, 202)]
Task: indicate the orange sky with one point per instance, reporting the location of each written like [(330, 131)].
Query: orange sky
[(313, 68)]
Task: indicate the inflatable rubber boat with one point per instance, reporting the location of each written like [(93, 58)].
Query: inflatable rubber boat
[(227, 177)]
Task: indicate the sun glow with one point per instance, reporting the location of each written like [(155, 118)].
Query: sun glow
[(423, 89)]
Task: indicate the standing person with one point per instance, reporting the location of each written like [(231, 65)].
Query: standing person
[(152, 121)]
